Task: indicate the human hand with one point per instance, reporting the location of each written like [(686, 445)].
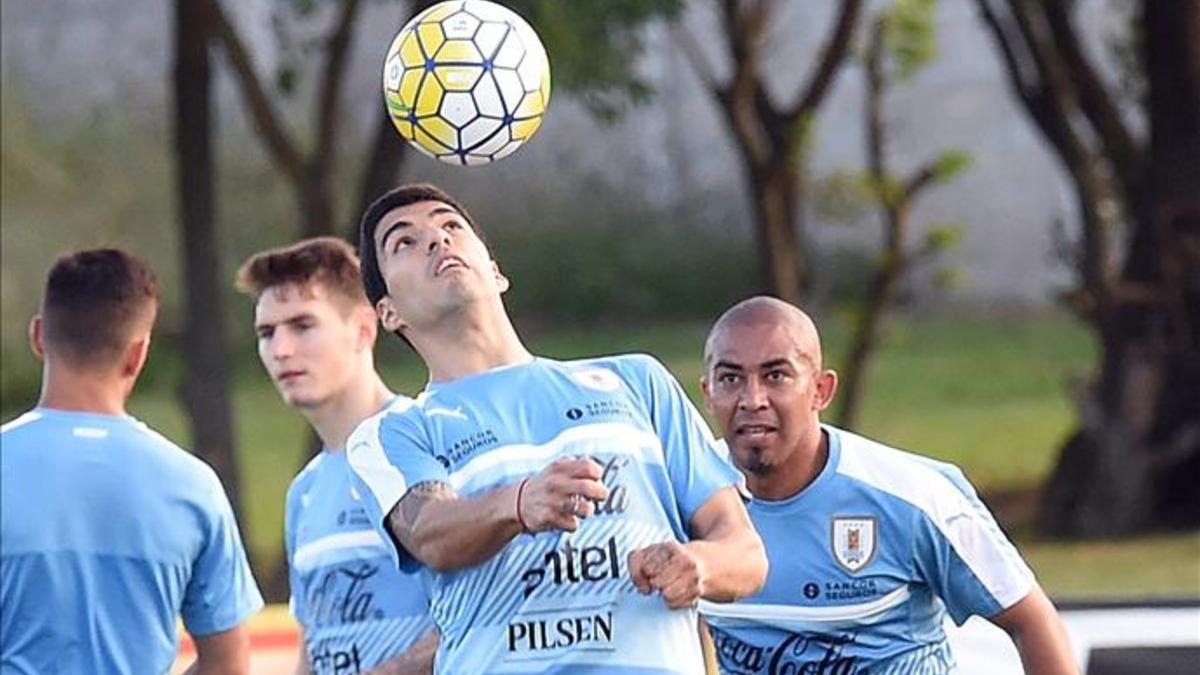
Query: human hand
[(671, 569), (561, 495)]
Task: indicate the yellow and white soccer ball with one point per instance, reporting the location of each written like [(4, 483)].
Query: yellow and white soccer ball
[(466, 81)]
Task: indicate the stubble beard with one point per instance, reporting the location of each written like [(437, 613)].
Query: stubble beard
[(756, 464)]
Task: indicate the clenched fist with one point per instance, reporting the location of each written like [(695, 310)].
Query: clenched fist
[(669, 568)]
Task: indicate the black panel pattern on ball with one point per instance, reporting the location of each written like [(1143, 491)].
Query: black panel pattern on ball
[(466, 82)]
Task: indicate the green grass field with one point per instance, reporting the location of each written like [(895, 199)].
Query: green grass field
[(986, 392)]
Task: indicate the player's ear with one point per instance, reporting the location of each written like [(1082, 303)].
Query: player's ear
[(367, 323), (135, 356), (827, 382), (36, 337), (389, 316), (704, 387), (502, 281)]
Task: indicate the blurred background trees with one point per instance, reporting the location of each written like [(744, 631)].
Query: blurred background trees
[(1133, 155), (694, 153)]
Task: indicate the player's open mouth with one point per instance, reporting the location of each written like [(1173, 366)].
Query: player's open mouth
[(755, 430), (449, 262)]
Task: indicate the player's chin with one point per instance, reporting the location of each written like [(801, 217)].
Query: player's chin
[(301, 399), (753, 458)]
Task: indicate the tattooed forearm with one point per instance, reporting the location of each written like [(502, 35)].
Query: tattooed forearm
[(404, 514)]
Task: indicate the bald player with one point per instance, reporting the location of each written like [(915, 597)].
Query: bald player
[(869, 546)]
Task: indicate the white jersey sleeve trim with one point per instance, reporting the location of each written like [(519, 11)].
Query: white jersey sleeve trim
[(974, 536), (777, 614), (21, 421), (366, 457), (308, 554), (525, 458)]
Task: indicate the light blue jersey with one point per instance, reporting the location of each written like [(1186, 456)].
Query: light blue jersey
[(109, 533), (555, 602), (864, 564), (356, 608)]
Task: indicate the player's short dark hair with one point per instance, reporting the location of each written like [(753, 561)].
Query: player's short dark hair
[(328, 261), (372, 278), (94, 302)]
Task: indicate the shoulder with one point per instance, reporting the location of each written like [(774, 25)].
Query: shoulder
[(182, 465), (24, 421), (608, 372), (304, 479), (401, 411), (932, 487)]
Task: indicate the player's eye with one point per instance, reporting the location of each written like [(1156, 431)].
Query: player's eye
[(728, 378), (776, 376), (403, 242), (265, 333)]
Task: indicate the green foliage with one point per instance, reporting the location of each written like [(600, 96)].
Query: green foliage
[(842, 196), (605, 256), (910, 35), (950, 164), (594, 46), (941, 237)]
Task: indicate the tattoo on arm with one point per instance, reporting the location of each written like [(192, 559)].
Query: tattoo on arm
[(403, 515)]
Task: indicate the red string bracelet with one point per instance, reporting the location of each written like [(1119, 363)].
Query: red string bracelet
[(520, 491)]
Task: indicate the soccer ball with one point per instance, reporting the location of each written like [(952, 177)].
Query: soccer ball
[(466, 81)]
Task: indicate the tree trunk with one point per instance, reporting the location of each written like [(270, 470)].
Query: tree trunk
[(776, 192), (205, 391), (865, 342), (379, 175), (316, 203), (1134, 461)]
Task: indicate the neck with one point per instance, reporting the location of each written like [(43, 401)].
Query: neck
[(798, 473), (337, 418), (82, 391), (469, 343)]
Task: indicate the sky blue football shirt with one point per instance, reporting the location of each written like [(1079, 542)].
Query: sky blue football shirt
[(357, 609), (108, 533), (555, 602), (864, 564)]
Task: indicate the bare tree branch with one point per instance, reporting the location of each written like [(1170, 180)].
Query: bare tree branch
[(266, 119), (1007, 41), (331, 80), (1096, 102), (695, 56), (918, 181), (810, 95)]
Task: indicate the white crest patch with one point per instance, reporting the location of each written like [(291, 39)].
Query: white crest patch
[(853, 541), (600, 379)]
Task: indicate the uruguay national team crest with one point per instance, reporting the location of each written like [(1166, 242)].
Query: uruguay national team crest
[(853, 541)]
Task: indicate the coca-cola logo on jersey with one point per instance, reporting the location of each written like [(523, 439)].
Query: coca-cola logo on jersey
[(341, 595), (618, 493), (795, 655)]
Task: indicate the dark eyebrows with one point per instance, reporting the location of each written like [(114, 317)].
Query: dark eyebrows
[(435, 211), (390, 230), (295, 318), (765, 365)]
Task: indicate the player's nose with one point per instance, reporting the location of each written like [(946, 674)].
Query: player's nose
[(439, 240), (753, 395), (281, 347)]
